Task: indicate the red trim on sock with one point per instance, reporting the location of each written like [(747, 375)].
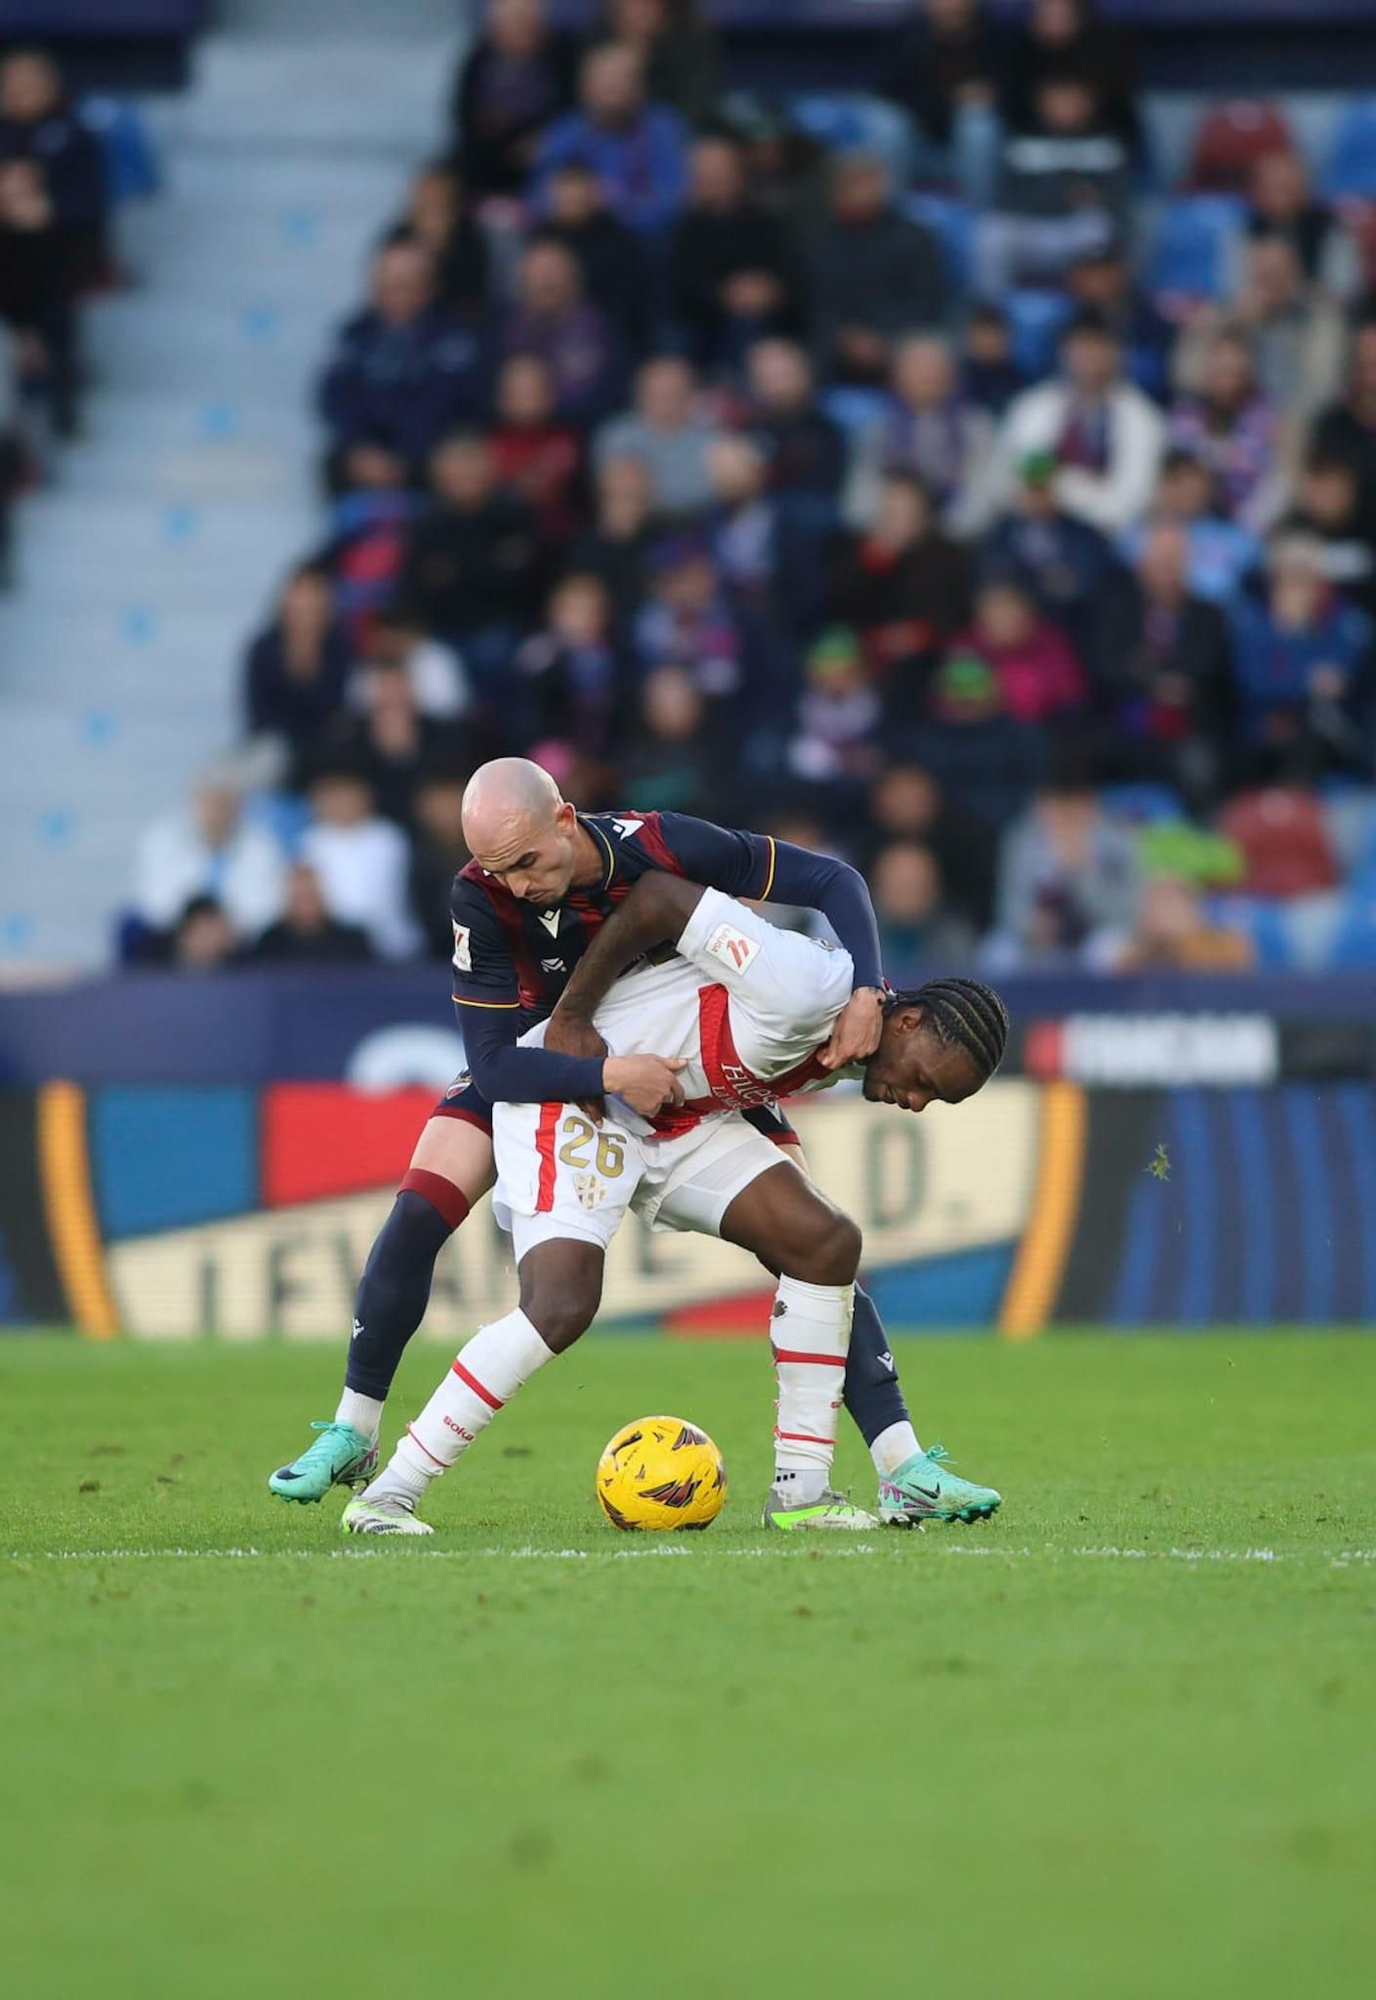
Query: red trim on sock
[(450, 1203), (426, 1449), (544, 1145), (801, 1437), (819, 1360), (476, 1386)]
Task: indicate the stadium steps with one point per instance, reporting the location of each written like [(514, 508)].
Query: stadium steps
[(149, 557)]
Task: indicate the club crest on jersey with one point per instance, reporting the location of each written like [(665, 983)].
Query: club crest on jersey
[(462, 1082), (589, 1190), (732, 947), (463, 949)]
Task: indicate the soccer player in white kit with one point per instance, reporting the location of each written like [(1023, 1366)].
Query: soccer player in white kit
[(744, 1009)]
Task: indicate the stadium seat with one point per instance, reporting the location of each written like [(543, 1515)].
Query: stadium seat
[(1283, 838), (131, 164), (1351, 165), (1230, 140), (1189, 258), (1035, 319), (1354, 946), (1261, 920), (855, 410), (953, 224), (1141, 804), (851, 122)]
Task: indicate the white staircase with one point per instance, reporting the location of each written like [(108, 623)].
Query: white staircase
[(145, 564)]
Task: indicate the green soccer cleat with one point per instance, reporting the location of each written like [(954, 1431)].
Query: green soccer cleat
[(830, 1511), (391, 1515), (340, 1456), (923, 1488)]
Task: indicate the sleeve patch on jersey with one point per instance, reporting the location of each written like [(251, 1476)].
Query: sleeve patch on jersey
[(463, 950), (732, 947)]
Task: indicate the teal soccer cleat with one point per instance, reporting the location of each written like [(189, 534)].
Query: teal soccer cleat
[(923, 1488), (340, 1456)]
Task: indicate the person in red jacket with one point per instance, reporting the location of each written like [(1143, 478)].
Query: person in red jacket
[(1035, 665)]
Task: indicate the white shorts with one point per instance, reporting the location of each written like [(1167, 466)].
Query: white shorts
[(559, 1175)]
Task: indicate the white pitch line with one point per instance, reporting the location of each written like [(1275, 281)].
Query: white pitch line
[(1048, 1553)]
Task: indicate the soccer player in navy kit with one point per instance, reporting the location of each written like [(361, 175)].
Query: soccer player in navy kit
[(542, 881)]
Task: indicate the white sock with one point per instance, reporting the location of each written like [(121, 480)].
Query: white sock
[(810, 1332), (892, 1446), (363, 1412), (486, 1374)]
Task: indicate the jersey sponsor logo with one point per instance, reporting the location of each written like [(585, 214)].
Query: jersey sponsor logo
[(742, 1087), (732, 947), (463, 947), (550, 920), (626, 827)]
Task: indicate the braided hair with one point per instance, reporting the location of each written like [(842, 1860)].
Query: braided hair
[(964, 1012)]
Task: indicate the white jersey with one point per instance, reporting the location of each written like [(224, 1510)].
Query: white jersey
[(745, 1005)]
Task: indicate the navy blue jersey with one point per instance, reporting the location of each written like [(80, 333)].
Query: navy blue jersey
[(512, 961)]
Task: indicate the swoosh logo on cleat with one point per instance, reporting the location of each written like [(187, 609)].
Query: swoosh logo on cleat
[(933, 1494)]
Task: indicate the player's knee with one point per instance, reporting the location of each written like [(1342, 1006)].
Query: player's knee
[(831, 1255), (561, 1309)]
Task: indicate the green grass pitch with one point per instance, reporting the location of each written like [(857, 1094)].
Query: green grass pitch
[(1117, 1743)]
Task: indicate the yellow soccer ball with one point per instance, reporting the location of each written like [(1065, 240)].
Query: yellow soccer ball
[(661, 1473)]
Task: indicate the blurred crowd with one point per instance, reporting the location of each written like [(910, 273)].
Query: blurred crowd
[(886, 487)]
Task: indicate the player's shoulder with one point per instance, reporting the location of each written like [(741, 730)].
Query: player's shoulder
[(474, 889), (634, 841)]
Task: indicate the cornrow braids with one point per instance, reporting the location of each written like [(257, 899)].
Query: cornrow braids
[(965, 1012)]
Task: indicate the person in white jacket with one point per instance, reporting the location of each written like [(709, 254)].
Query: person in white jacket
[(1105, 435), (211, 851)]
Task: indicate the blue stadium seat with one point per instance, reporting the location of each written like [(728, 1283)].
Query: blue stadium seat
[(1263, 921), (1141, 804), (1351, 165), (1035, 319), (854, 409), (131, 164), (1190, 254), (1354, 946), (953, 224), (851, 122)]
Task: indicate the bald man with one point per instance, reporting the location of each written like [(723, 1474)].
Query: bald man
[(542, 881)]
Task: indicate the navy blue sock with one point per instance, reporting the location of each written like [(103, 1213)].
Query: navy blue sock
[(872, 1393), (394, 1292)]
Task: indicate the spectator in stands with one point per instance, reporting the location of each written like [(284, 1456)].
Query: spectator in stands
[(391, 742), (617, 546), (1347, 428), (1104, 434), (402, 372), (1064, 189), (687, 623), (576, 678), (944, 73), (973, 749), (516, 77), (297, 669), (306, 933), (533, 453), (438, 852), (11, 446), (1232, 429), (1037, 669), (678, 46), (435, 672), (572, 336), (1297, 336), (1221, 552), (203, 939), (932, 431), (835, 748), (635, 147), (1067, 881), (990, 376), (1282, 203), (1071, 37), (919, 934), (807, 451), (37, 290), (667, 435), (905, 588), (438, 216), (745, 534), (1104, 282), (672, 762), (1328, 511), (1163, 674), (1172, 933), (212, 851), (360, 860), (1060, 559), (611, 257), (39, 124), (906, 804), (1302, 662), (733, 269), (475, 564), (875, 275)]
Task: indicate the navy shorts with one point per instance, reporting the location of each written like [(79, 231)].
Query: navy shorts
[(464, 1100)]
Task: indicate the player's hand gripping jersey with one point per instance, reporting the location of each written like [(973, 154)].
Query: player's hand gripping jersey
[(748, 1007)]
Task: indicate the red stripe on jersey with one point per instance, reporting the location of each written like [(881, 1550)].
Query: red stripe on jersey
[(476, 1386), (820, 1360), (544, 1146), (653, 843), (731, 1081), (508, 913)]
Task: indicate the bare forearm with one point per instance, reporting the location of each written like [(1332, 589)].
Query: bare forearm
[(655, 912)]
